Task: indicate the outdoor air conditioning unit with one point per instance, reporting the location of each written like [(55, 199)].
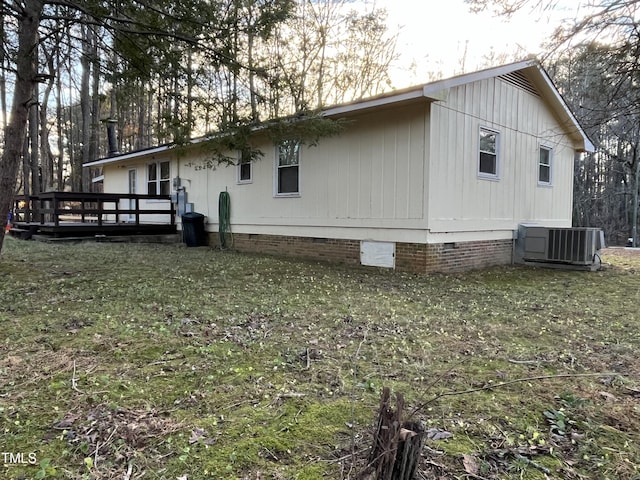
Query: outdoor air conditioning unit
[(559, 247)]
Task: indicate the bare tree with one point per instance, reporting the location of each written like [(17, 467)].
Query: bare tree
[(329, 53), (28, 14), (362, 65), (3, 74)]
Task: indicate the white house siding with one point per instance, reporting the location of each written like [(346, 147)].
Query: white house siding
[(366, 183), (116, 180), (468, 203)]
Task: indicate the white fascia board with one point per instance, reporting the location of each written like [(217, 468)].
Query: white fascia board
[(145, 152), (127, 156), (375, 102)]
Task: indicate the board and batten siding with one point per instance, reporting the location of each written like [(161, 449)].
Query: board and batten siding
[(366, 183), (460, 200)]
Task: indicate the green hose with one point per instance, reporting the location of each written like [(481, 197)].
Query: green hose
[(224, 220)]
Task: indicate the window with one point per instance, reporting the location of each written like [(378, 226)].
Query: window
[(158, 178), (488, 162), (544, 166), (244, 167), (287, 168)]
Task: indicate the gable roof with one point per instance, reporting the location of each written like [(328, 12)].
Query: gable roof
[(531, 70)]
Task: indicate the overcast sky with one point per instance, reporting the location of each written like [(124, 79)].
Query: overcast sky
[(435, 35)]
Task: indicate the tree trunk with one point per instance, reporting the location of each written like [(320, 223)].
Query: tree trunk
[(59, 168), (85, 110), (94, 139), (34, 141), (634, 219), (397, 445), (252, 77), (26, 70), (46, 155), (26, 165), (3, 78)]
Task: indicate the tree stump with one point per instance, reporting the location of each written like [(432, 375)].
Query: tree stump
[(397, 445)]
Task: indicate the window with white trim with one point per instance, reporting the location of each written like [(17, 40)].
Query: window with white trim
[(544, 165), (288, 168), (488, 154), (245, 167), (159, 178)]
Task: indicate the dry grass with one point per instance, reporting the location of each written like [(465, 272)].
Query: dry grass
[(161, 362)]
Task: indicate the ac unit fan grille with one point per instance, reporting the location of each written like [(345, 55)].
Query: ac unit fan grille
[(567, 245)]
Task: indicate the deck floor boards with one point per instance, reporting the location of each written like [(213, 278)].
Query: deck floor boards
[(92, 228)]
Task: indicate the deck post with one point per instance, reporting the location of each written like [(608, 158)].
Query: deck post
[(28, 211), (40, 209), (56, 212)]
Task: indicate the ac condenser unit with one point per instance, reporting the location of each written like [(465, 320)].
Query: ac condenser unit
[(578, 247)]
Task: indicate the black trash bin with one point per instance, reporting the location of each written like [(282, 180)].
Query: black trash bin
[(193, 232)]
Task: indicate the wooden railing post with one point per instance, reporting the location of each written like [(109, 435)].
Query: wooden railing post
[(41, 208), (56, 210), (27, 209)]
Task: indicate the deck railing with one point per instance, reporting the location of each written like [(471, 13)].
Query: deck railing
[(101, 208)]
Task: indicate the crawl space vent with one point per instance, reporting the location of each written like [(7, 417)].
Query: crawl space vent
[(378, 254)]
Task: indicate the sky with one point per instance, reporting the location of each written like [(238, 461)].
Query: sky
[(435, 35)]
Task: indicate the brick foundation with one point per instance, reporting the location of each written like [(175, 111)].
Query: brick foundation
[(452, 257), (410, 257)]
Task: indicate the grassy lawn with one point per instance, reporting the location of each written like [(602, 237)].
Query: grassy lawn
[(123, 361)]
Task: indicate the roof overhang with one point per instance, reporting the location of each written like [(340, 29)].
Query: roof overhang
[(430, 92), (392, 99), (128, 156)]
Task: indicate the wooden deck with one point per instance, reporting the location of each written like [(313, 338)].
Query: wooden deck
[(74, 214)]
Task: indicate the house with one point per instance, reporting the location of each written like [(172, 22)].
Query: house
[(432, 178)]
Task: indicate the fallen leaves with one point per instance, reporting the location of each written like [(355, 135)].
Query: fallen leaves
[(437, 434), (200, 435), (109, 437), (470, 464), (160, 362)]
